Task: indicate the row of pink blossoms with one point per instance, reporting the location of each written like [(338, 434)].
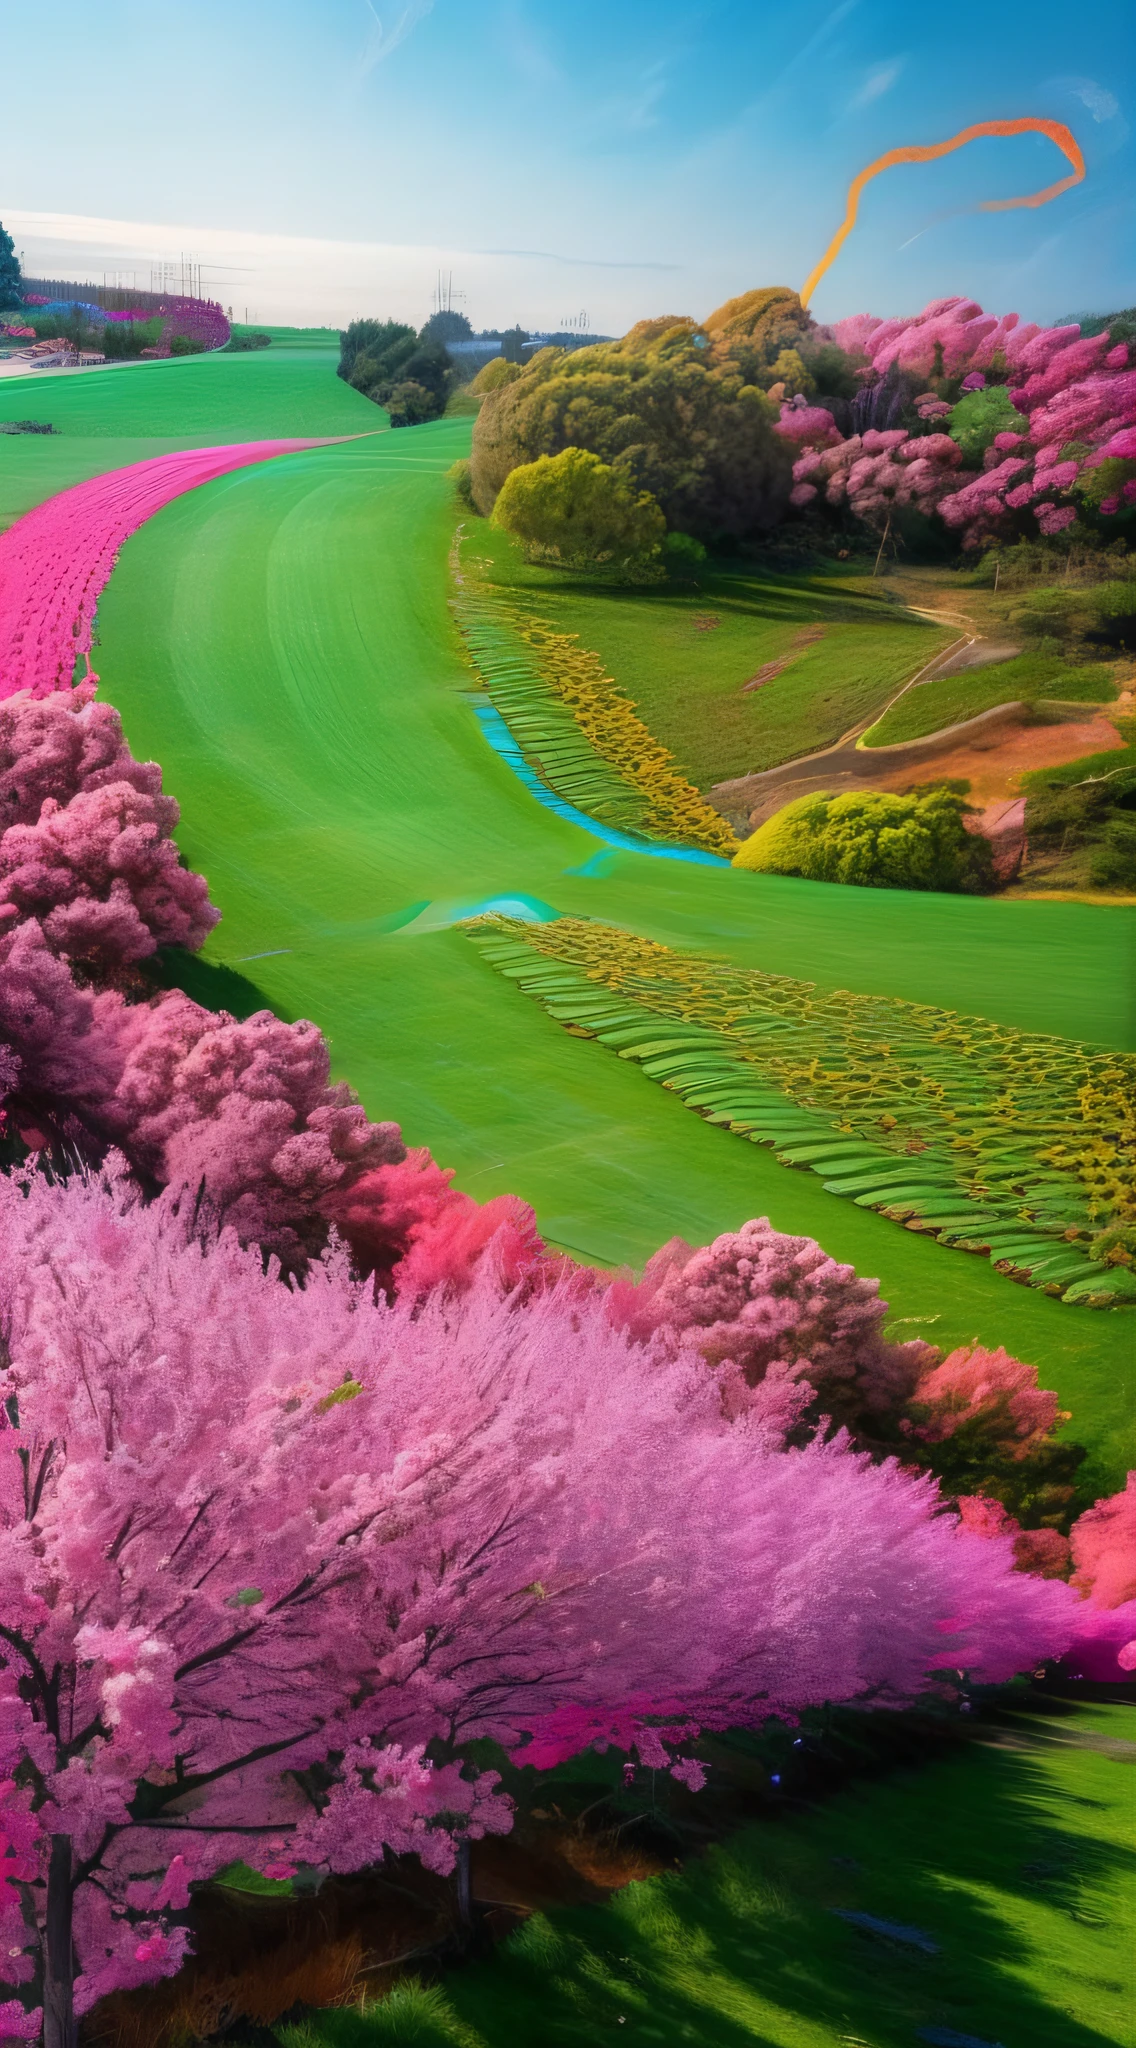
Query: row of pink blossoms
[(1076, 396)]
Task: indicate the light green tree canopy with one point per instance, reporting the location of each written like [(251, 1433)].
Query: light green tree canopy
[(574, 510), (874, 840)]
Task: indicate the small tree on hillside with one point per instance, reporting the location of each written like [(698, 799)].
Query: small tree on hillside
[(11, 283), (373, 350), (578, 512)]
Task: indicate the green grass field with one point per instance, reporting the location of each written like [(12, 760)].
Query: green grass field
[(198, 400), (1016, 1863), (686, 675), (1028, 678), (280, 641)]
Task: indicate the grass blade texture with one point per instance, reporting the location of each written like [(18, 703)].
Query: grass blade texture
[(1000, 1142), (577, 729)]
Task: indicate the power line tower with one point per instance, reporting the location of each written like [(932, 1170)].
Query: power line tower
[(446, 299)]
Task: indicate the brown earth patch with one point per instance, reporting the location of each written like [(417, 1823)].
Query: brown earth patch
[(802, 639), (990, 751), (993, 765)]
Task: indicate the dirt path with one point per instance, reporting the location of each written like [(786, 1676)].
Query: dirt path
[(990, 751)]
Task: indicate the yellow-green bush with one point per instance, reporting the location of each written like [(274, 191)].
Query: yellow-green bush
[(574, 511), (874, 840)]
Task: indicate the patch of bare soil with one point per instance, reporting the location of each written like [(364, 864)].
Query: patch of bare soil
[(992, 763), (804, 638), (990, 752)]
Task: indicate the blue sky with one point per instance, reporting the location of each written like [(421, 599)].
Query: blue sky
[(626, 157)]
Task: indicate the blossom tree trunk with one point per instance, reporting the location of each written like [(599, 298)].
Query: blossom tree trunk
[(59, 2025), (464, 1876)]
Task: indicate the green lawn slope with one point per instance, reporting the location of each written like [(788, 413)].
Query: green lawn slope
[(1030, 678), (105, 419), (1014, 1863), (197, 400), (280, 642), (685, 654)]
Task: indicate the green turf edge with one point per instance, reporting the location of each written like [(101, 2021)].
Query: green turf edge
[(1016, 1862)]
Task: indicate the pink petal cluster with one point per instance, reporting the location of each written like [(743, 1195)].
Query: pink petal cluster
[(56, 559), (768, 1310), (102, 875), (241, 1113), (201, 320), (1045, 1552), (974, 1383), (880, 471), (1104, 1549), (250, 1529), (810, 426), (1073, 389)]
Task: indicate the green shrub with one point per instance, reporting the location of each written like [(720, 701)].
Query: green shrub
[(410, 404), (683, 556), (1112, 862), (1081, 821), (458, 473), (575, 511), (874, 840), (371, 350), (185, 345), (978, 416), (1104, 614), (493, 375)]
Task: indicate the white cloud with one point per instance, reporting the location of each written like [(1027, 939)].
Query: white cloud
[(876, 84), (381, 40), (1102, 104)]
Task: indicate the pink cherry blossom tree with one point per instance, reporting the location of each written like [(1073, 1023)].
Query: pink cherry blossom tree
[(273, 1556), (1076, 395)]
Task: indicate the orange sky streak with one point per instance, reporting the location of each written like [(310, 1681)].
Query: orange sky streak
[(924, 153)]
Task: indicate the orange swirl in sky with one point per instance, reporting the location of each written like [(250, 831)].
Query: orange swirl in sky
[(921, 154)]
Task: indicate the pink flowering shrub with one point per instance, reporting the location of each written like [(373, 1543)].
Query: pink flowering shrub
[(758, 1306), (59, 746), (793, 1337), (257, 1536), (1077, 396), (1104, 1549), (241, 1114), (200, 320), (1045, 1552), (404, 1221), (878, 473), (102, 875), (810, 426), (974, 1382)]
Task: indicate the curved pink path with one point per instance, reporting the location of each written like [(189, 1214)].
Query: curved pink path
[(55, 561)]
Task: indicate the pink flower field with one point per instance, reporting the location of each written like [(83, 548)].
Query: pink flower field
[(55, 561)]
